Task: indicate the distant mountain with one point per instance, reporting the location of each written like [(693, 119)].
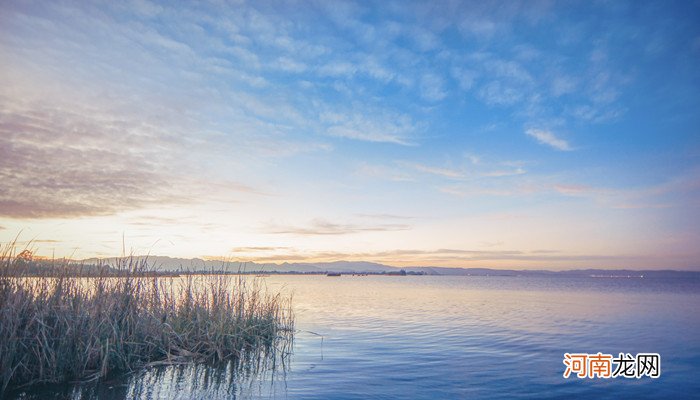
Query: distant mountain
[(163, 263)]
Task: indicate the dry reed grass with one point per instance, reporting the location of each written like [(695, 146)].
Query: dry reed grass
[(66, 328)]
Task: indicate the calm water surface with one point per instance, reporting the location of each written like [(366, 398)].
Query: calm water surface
[(422, 337)]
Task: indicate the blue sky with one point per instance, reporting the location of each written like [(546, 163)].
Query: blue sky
[(498, 134)]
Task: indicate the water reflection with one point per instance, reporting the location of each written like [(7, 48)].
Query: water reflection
[(263, 377), (202, 382), (484, 337), (452, 337)]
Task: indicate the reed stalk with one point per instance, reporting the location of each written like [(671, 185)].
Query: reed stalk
[(61, 328)]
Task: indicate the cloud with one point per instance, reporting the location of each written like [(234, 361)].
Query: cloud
[(448, 257), (479, 170), (481, 27), (500, 93), (548, 138), (369, 127), (257, 249), (510, 70), (499, 173), (59, 163), (185, 217), (338, 69), (383, 172), (563, 84), (324, 227), (497, 183), (432, 88), (575, 190), (373, 68), (384, 216), (367, 134), (473, 191), (492, 244), (444, 172), (473, 158), (596, 114), (464, 77), (77, 160), (679, 192), (424, 40)]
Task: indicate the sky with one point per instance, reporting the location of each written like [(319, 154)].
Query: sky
[(532, 135)]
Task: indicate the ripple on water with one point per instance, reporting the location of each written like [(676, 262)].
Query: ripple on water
[(457, 337)]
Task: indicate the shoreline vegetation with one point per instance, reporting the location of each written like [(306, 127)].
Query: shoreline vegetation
[(59, 327), (163, 266)]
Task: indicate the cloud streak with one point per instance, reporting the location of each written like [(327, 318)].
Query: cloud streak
[(451, 257), (75, 160), (369, 127), (55, 163), (548, 138), (254, 249), (322, 227), (443, 172)]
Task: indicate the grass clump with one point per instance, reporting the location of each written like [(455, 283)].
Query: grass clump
[(58, 328)]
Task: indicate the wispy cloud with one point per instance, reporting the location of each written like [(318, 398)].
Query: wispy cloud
[(55, 163), (439, 171), (500, 93), (397, 129), (503, 172), (476, 190), (681, 191), (464, 77), (453, 257), (548, 138), (80, 160), (324, 227), (432, 87), (596, 114), (575, 190), (254, 249), (473, 158), (638, 198), (385, 216), (384, 172), (563, 84)]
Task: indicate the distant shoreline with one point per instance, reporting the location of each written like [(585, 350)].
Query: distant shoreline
[(89, 272), (27, 265)]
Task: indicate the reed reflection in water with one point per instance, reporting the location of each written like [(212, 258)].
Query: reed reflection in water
[(63, 329)]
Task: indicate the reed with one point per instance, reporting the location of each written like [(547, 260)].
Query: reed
[(61, 328)]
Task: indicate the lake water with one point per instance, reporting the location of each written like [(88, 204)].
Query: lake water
[(438, 337)]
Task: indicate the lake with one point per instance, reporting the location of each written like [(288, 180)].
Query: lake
[(439, 337)]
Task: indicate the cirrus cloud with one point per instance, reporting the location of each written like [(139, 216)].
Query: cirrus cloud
[(548, 138)]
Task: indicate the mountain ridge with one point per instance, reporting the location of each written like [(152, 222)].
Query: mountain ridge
[(174, 264)]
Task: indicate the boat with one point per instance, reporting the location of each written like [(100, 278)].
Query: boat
[(333, 274)]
